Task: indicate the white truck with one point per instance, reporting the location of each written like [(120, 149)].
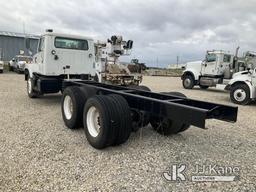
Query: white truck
[(215, 70), (242, 87), (222, 70), (18, 63), (65, 56)]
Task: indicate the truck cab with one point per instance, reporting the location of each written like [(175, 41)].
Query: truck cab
[(57, 51), (59, 57), (215, 63)]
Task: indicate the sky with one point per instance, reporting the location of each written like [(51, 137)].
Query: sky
[(161, 30)]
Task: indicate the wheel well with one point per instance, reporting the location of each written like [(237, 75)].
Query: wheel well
[(188, 73), (239, 83)]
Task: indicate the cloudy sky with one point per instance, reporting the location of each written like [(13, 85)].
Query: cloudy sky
[(161, 29)]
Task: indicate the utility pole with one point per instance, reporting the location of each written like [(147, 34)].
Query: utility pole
[(157, 62), (178, 61)]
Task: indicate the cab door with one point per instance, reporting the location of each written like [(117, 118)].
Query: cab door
[(209, 65), (39, 56), (254, 78)]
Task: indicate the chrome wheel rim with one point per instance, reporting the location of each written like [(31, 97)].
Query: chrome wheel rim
[(239, 95)]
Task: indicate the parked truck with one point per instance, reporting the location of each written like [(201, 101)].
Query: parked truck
[(65, 56), (19, 62), (218, 70), (242, 87), (109, 112), (215, 70)]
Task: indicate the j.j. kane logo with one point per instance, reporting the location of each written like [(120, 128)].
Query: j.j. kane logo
[(177, 173)]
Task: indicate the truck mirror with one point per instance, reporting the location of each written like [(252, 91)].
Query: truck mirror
[(129, 44), (27, 42)]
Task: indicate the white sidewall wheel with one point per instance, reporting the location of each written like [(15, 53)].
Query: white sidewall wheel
[(93, 121), (68, 107), (31, 93), (72, 103)]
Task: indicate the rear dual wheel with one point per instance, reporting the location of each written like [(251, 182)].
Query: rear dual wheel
[(106, 119), (72, 103)]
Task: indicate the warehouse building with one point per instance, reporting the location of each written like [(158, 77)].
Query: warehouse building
[(12, 44)]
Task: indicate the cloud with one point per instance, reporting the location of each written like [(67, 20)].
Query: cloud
[(161, 29)]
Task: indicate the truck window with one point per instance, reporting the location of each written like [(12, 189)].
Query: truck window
[(68, 43), (226, 58), (210, 58)]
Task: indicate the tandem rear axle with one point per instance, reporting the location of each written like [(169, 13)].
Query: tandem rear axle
[(110, 113)]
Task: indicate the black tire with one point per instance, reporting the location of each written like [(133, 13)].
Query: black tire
[(30, 91), (96, 78), (1, 71), (10, 68), (166, 126), (188, 82), (77, 98), (203, 87), (140, 118), (124, 117), (107, 119), (240, 94)]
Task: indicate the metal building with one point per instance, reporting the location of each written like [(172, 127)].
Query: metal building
[(12, 44)]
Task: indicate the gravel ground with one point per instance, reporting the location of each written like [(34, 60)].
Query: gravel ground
[(38, 153)]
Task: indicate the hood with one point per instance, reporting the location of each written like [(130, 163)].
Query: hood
[(193, 63), (240, 73)]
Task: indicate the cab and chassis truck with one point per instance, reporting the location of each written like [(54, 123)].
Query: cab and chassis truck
[(109, 113)]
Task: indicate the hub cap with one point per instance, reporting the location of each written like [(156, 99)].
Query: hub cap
[(187, 82), (93, 121), (239, 95), (68, 107)]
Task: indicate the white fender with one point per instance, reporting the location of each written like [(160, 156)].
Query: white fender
[(193, 68), (244, 78)]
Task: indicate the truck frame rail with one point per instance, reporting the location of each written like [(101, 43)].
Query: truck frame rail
[(188, 111)]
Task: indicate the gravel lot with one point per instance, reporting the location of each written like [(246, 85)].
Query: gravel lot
[(38, 153)]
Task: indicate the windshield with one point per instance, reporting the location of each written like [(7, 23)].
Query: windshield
[(211, 57)]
